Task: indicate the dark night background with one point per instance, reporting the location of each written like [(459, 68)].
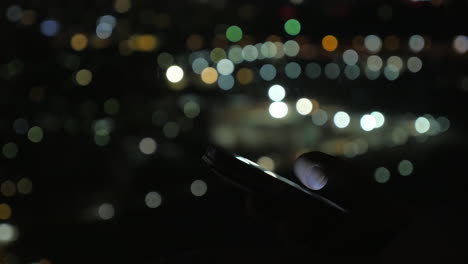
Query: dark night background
[(90, 123)]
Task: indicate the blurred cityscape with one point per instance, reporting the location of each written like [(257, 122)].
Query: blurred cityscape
[(107, 107)]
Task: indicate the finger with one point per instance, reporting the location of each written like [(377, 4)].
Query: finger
[(310, 174), (316, 169)]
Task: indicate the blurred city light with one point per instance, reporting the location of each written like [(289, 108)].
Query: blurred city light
[(276, 92), (234, 33), (341, 119), (405, 167), (329, 43), (106, 211), (278, 109), (382, 175), (198, 188), (153, 199), (304, 106), (373, 43), (350, 57), (174, 74), (292, 27), (368, 122), (422, 125), (379, 119)]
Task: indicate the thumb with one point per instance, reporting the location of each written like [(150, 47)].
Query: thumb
[(318, 170), (334, 178)]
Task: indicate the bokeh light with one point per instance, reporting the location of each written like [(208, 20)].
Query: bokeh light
[(291, 48), (226, 82), (278, 109), (35, 134), (313, 70), (174, 74), (320, 117), (10, 150), (235, 54), (341, 119), (276, 92), (5, 211), (250, 53), (50, 28), (171, 129), (8, 188), (198, 65), (14, 13), (395, 61), (391, 72), (268, 49), (460, 44), (350, 57), (191, 109), (24, 186), (83, 77), (147, 146), (422, 125), (368, 122), (217, 54), (8, 233), (293, 70), (106, 211), (373, 43), (153, 200), (352, 72), (266, 163), (292, 27), (268, 72), (104, 30), (244, 76), (198, 188), (234, 33), (414, 64), (382, 175), (416, 43), (405, 168), (332, 70), (379, 118), (374, 63), (209, 75), (79, 42), (329, 43), (122, 6), (304, 106), (20, 126), (225, 67)]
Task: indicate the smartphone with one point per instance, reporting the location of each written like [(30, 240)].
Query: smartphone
[(251, 177)]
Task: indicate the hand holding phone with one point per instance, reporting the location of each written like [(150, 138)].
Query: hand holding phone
[(252, 178)]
